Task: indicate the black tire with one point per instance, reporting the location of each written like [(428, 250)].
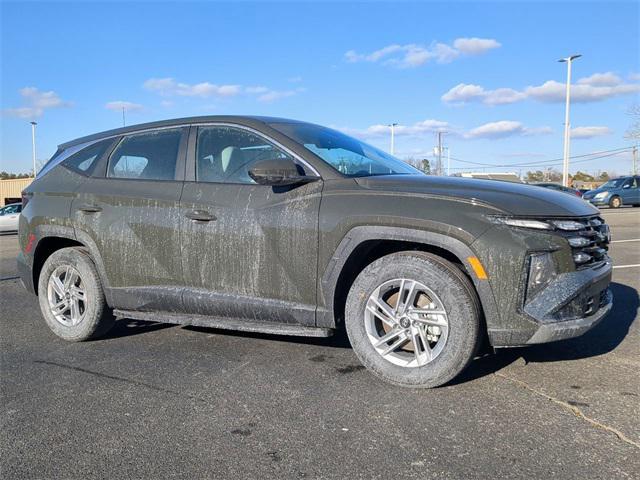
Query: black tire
[(615, 202), (96, 319), (458, 297)]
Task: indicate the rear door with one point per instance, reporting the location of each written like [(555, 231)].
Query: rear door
[(249, 251), (128, 213)]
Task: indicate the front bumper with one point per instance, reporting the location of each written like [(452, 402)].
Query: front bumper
[(571, 305), (600, 202), (562, 330)]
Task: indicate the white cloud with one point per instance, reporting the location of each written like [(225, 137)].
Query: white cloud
[(381, 130), (414, 55), (597, 87), (465, 93), (606, 79), (475, 46), (118, 105), (169, 87), (272, 95), (634, 76), (589, 132), (505, 128), (554, 92), (36, 102)]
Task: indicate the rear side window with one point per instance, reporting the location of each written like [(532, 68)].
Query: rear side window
[(146, 156), (85, 159)]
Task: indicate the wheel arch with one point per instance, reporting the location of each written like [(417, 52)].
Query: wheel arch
[(50, 241), (364, 244)]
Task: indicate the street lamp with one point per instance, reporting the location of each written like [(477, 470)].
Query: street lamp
[(393, 126), (33, 146), (567, 127)]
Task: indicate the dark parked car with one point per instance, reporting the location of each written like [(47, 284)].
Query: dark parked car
[(560, 188), (616, 192), (273, 225)]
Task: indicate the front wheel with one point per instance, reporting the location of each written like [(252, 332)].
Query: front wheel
[(615, 202), (71, 297), (413, 319)]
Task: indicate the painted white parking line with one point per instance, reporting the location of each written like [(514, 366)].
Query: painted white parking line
[(625, 241), (626, 266)]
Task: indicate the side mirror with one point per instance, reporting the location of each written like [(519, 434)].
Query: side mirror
[(278, 172), (626, 186)]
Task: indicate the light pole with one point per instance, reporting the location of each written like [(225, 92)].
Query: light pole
[(393, 126), (567, 126), (33, 146)]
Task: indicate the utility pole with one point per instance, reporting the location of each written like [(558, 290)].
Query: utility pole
[(439, 167), (393, 126), (567, 130), (123, 121), (33, 146), (634, 152), (448, 161)]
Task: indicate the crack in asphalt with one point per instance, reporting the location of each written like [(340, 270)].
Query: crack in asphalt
[(573, 409), (122, 379)]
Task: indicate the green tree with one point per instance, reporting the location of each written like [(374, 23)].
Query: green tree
[(603, 177), (425, 166), (537, 176), (582, 177)]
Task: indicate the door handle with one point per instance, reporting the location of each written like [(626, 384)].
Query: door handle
[(90, 209), (200, 216)]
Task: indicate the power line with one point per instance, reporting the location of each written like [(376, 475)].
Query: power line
[(557, 161)]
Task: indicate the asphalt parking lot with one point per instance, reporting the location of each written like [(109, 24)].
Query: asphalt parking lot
[(159, 401)]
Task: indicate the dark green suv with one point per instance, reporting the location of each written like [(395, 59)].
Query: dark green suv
[(272, 225)]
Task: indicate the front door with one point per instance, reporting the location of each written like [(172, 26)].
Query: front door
[(249, 251), (129, 214)]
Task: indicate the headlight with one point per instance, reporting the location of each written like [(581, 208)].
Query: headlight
[(523, 223), (541, 271), (601, 195), (569, 225)]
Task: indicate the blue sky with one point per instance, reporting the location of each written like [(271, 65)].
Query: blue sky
[(487, 73)]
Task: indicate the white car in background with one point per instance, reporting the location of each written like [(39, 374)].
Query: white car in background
[(9, 217)]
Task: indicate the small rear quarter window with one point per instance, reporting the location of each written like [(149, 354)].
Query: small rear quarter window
[(85, 159)]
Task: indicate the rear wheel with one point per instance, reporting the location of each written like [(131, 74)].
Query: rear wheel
[(71, 297), (413, 319), (615, 202)]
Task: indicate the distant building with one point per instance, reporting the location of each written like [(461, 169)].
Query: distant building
[(502, 176), (586, 185), (11, 190)]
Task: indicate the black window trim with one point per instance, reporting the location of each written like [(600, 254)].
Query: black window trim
[(178, 175), (190, 174)]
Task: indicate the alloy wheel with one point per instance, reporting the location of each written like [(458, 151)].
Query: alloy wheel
[(67, 296), (406, 322)]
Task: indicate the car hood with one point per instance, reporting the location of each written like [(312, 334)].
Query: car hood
[(595, 191), (512, 198)]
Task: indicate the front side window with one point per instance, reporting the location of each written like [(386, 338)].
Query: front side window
[(146, 156), (10, 210), (349, 156), (617, 183), (225, 154)]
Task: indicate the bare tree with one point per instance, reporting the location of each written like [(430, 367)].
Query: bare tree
[(633, 132)]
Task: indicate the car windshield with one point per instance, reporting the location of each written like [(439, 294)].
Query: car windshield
[(349, 156), (616, 183)]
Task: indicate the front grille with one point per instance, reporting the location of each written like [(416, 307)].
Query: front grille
[(596, 242)]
